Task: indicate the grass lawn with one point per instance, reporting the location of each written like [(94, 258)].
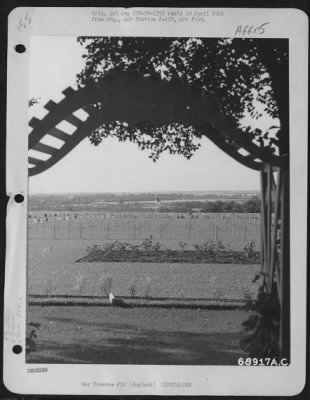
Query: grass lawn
[(52, 270), (138, 335)]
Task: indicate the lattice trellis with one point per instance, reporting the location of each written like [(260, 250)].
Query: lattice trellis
[(128, 96)]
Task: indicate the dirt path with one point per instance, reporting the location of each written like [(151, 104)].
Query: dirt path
[(136, 336)]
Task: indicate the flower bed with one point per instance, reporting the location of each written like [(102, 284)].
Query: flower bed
[(171, 256), (209, 252)]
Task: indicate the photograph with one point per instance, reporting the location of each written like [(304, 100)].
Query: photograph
[(158, 220)]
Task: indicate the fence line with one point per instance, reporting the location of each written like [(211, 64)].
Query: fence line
[(228, 228)]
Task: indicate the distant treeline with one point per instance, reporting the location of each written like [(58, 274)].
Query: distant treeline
[(219, 206), (92, 198), (186, 207)]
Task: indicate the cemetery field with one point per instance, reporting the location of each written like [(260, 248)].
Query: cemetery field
[(232, 229)]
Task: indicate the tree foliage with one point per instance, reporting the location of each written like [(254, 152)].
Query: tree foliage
[(241, 73), (218, 206)]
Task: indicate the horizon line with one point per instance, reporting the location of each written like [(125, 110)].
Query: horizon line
[(150, 191)]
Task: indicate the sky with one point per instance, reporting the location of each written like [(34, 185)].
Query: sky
[(113, 166)]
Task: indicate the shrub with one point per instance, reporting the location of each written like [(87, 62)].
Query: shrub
[(147, 286), (147, 243), (249, 249), (182, 245), (220, 245), (106, 285), (212, 285), (31, 336), (208, 247), (93, 249), (133, 288), (262, 327), (81, 283), (49, 287), (157, 247), (247, 293)]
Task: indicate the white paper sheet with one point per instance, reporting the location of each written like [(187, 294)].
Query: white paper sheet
[(27, 24)]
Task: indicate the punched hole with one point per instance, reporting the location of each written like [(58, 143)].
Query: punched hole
[(19, 198), (17, 349), (20, 48)]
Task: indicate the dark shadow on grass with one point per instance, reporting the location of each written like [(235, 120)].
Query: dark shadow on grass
[(125, 345)]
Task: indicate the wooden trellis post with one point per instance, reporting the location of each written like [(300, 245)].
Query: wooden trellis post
[(275, 253)]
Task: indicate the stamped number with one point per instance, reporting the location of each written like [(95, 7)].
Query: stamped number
[(23, 22)]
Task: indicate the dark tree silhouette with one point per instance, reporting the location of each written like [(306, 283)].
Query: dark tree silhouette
[(240, 73)]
